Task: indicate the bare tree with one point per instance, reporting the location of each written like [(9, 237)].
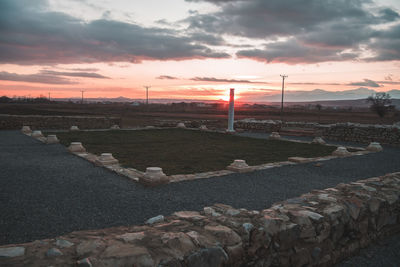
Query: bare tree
[(380, 103)]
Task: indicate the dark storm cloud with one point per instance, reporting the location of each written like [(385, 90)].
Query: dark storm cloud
[(75, 74), (294, 52), (366, 82), (31, 35), (212, 79), (332, 30), (33, 78)]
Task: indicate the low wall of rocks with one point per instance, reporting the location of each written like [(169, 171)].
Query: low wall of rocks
[(319, 228), (14, 122), (353, 132)]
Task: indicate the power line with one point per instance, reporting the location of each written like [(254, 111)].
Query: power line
[(283, 90)]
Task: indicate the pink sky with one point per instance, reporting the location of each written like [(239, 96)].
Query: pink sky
[(197, 49)]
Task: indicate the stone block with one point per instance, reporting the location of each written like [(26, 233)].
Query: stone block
[(274, 136), (239, 165), (341, 151), (74, 128), (374, 147), (318, 140), (76, 147), (154, 176), (106, 159), (26, 129), (52, 139), (37, 134), (181, 125)]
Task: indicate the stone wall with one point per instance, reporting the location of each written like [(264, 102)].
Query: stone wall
[(354, 132), (319, 228), (13, 122)]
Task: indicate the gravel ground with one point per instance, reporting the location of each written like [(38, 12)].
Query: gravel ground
[(46, 192), (385, 253)]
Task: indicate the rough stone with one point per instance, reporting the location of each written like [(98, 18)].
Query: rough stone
[(130, 237), (10, 252), (53, 252), (88, 246), (156, 219), (84, 263), (62, 243), (214, 256), (189, 215), (225, 235)]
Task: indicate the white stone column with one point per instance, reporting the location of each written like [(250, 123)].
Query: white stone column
[(231, 111)]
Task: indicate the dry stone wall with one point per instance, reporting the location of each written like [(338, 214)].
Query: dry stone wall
[(319, 228), (354, 132), (14, 122)]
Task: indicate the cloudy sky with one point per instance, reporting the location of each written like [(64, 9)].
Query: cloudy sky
[(198, 48)]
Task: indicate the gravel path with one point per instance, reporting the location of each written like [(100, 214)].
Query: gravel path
[(46, 192)]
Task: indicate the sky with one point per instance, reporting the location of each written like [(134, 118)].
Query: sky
[(198, 49)]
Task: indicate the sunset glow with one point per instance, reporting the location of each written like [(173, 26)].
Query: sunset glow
[(199, 49)]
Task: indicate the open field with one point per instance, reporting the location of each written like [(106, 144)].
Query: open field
[(142, 115), (180, 151)]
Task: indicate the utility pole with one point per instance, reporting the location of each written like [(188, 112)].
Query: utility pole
[(147, 94), (49, 97), (283, 90), (82, 96)]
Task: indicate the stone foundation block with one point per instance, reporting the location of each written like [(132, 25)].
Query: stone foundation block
[(274, 136), (26, 129), (341, 151), (106, 159), (318, 140), (375, 147), (239, 165), (154, 176), (76, 147), (52, 139), (74, 128)]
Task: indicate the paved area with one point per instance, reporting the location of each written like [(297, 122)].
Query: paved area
[(46, 192)]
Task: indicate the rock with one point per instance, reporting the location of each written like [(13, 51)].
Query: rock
[(53, 252), (248, 227), (232, 212), (225, 235), (52, 139), (341, 151), (26, 129), (374, 146), (106, 159), (316, 252), (62, 243), (154, 176), (129, 237), (181, 125), (74, 128), (215, 256), (211, 211), (354, 207), (156, 219), (37, 134), (333, 211), (272, 225), (318, 140), (115, 127), (84, 263), (87, 247), (76, 147), (189, 215), (239, 165), (326, 197), (274, 136), (312, 215), (299, 159), (203, 127), (10, 252)]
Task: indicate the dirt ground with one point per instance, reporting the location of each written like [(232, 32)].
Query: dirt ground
[(147, 115)]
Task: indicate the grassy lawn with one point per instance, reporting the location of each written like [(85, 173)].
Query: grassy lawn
[(180, 151)]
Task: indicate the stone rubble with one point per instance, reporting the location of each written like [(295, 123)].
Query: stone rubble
[(320, 228)]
